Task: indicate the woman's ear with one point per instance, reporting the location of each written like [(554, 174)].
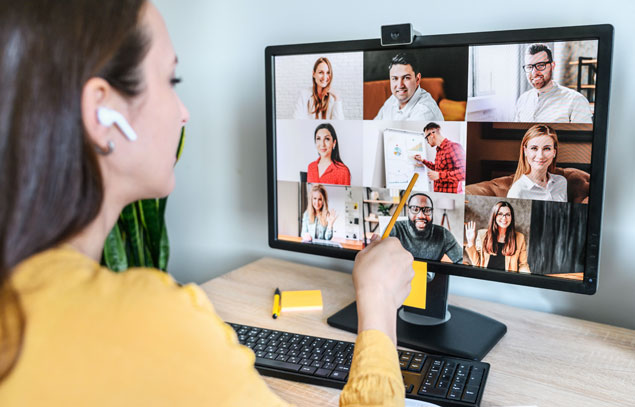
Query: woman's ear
[(95, 93)]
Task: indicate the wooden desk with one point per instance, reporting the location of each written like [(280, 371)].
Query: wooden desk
[(346, 243), (543, 360)]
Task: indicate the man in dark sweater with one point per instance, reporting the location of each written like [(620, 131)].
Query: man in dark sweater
[(421, 237)]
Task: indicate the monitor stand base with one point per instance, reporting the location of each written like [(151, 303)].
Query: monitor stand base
[(466, 334)]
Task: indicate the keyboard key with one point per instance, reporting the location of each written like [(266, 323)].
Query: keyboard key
[(323, 372), (455, 394), (277, 364), (471, 392), (409, 388), (339, 375), (343, 368), (415, 367), (432, 391), (443, 384), (308, 369)]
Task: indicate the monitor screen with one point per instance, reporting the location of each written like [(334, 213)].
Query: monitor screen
[(507, 131)]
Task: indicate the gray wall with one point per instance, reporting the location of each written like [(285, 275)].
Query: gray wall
[(217, 215)]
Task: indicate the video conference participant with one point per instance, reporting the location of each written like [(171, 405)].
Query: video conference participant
[(408, 100), (138, 326), (421, 237), (319, 102), (448, 168), (317, 221), (548, 102), (499, 246), (534, 178), (328, 168)]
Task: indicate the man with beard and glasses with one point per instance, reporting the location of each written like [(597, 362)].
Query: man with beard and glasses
[(547, 101), (422, 238)]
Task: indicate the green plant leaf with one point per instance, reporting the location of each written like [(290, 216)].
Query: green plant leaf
[(164, 252), (134, 237), (153, 224), (114, 251), (179, 150)]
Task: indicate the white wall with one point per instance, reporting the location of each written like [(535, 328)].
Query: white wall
[(217, 215)]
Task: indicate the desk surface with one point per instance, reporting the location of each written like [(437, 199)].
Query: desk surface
[(543, 360)]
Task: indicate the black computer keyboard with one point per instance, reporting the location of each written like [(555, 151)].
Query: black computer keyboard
[(441, 380)]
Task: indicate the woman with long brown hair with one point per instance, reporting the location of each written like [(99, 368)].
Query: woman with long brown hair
[(89, 122), (319, 102), (535, 178), (328, 168), (499, 246)]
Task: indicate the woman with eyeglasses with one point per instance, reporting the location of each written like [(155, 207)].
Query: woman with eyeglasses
[(499, 246)]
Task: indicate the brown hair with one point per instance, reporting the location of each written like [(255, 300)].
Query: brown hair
[(535, 131), (325, 205), (321, 105), (49, 175), (491, 237)]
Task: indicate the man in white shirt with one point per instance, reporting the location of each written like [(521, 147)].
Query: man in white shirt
[(548, 102), (408, 100)]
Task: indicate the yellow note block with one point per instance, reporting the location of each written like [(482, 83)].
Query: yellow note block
[(305, 300), (417, 297)]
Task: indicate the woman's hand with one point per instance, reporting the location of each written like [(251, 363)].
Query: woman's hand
[(381, 276), (331, 217), (470, 233), (306, 237)]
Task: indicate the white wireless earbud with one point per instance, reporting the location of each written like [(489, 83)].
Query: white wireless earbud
[(107, 117)]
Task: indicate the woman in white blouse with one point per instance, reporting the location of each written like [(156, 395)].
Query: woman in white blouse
[(534, 178), (319, 102)]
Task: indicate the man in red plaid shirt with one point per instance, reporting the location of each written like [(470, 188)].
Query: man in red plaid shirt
[(448, 169)]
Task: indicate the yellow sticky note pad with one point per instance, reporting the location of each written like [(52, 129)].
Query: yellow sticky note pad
[(417, 297), (305, 300)]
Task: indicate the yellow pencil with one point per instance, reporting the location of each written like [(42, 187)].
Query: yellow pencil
[(404, 198)]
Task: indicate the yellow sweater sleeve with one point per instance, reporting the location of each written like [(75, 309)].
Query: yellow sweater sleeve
[(375, 377)]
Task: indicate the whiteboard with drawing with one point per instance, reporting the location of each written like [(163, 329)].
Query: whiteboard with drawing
[(400, 148)]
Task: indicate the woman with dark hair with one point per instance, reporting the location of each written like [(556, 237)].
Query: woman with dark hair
[(319, 102), (499, 246), (535, 178), (318, 220), (328, 168), (89, 122)]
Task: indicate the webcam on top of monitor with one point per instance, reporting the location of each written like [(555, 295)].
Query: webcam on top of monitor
[(397, 34)]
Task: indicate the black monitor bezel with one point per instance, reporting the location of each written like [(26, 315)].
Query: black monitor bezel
[(603, 33)]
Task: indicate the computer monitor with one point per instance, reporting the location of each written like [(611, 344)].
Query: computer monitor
[(507, 131)]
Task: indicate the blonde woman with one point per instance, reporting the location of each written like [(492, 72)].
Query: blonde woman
[(499, 246), (319, 102), (534, 178), (317, 221)]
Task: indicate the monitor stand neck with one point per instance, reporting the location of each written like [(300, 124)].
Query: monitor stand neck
[(440, 328)]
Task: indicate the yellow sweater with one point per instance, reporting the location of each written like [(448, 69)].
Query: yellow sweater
[(98, 338)]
